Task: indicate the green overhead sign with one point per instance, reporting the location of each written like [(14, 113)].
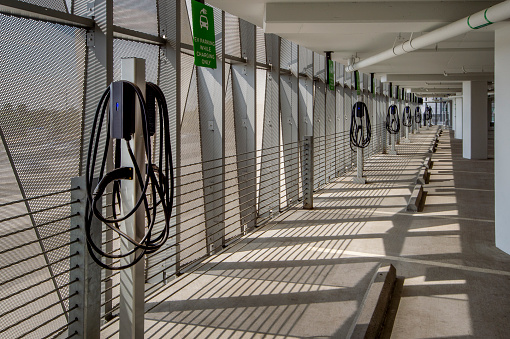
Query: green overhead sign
[(204, 42), (331, 68), (357, 85)]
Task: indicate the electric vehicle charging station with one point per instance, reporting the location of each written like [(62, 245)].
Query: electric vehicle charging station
[(407, 121), (428, 116), (128, 110), (417, 118), (360, 132), (392, 122)]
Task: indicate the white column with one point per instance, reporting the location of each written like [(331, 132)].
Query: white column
[(458, 117), (132, 280), (502, 137), (474, 119)]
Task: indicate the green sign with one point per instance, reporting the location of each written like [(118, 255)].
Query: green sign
[(331, 68), (204, 42)]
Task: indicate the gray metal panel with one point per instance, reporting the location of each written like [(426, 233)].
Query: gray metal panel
[(211, 107), (306, 61), (192, 226), (289, 124), (339, 73), (162, 264), (339, 131), (269, 178), (347, 162), (330, 129), (319, 134), (319, 66), (244, 90), (232, 192)]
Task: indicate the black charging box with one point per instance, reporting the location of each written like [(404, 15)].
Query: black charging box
[(122, 110)]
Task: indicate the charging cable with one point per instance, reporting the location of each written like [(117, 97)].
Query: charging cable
[(360, 137), (392, 120), (407, 117), (417, 115), (158, 180)]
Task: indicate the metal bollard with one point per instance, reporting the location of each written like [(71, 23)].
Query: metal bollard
[(308, 172)]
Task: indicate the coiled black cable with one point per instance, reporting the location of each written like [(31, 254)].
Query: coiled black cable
[(407, 117), (417, 115), (428, 113), (360, 137), (392, 120), (159, 179)]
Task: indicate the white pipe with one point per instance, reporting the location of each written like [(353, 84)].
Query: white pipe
[(480, 19)]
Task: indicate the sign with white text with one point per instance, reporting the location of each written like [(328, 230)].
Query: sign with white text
[(204, 41)]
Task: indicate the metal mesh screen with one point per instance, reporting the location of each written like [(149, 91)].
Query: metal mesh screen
[(138, 15), (192, 216), (186, 37), (232, 35), (58, 5), (232, 209), (41, 96), (260, 45)]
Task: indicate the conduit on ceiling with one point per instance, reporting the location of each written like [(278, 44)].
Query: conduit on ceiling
[(478, 20)]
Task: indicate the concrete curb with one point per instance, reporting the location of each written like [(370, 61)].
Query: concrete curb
[(423, 176), (375, 305), (415, 199), (427, 163)]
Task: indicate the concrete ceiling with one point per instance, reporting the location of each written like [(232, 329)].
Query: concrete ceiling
[(364, 28)]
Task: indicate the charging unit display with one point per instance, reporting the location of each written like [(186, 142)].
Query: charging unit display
[(407, 120), (393, 126), (360, 132), (417, 118)]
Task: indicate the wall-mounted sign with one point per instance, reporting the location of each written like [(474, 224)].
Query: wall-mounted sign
[(204, 42), (331, 78)]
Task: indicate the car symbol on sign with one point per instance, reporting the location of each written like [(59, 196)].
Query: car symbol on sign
[(203, 19)]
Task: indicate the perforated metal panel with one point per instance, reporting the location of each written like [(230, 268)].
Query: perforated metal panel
[(41, 96), (58, 5), (261, 45), (186, 36), (319, 134), (232, 209), (232, 36), (138, 15), (193, 243)]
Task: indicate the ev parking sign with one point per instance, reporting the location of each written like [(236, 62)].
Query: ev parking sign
[(204, 42)]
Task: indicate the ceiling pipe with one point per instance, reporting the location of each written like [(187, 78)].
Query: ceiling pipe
[(478, 20)]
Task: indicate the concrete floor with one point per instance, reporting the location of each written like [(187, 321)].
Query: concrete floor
[(306, 273)]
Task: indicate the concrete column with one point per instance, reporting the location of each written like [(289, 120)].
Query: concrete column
[(502, 137), (474, 119), (458, 117)]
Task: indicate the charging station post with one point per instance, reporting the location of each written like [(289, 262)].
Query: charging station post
[(392, 150), (407, 114), (132, 279), (359, 179), (359, 137)]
